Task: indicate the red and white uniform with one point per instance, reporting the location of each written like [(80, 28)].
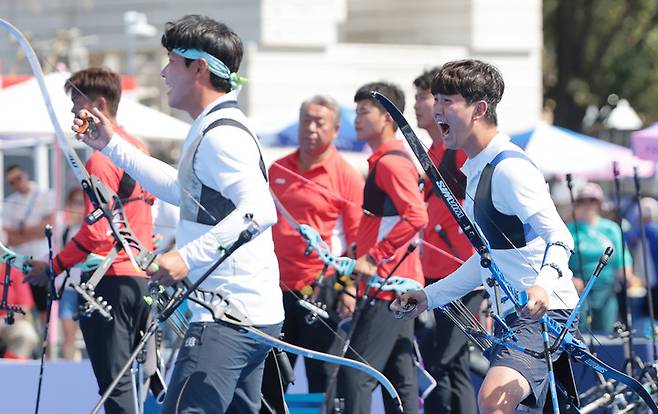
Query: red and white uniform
[(386, 237)]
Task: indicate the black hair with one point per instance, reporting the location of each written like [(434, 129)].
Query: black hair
[(13, 167), (94, 83), (474, 80), (203, 33), (391, 91), (424, 81)]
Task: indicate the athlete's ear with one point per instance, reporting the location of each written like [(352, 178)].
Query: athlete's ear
[(389, 118), (100, 103), (480, 109), (202, 65)]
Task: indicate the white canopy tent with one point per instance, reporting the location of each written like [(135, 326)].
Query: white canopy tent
[(24, 113), (24, 121)]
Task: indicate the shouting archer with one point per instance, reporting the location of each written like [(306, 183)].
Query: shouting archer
[(508, 199)]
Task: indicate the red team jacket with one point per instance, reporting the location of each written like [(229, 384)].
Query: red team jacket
[(386, 239)]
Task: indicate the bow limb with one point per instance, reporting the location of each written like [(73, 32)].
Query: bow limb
[(72, 158), (581, 355), (320, 356)]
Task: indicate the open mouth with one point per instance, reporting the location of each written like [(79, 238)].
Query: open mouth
[(445, 128)]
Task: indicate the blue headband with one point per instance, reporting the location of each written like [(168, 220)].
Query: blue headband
[(215, 66)]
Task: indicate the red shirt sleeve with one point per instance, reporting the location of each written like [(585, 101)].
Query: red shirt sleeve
[(460, 158), (90, 237), (398, 177)]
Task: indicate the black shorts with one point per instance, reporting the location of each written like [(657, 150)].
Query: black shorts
[(534, 370)]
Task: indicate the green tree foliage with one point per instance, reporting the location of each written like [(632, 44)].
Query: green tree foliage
[(593, 48)]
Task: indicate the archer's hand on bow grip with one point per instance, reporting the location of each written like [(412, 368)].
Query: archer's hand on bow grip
[(409, 304)]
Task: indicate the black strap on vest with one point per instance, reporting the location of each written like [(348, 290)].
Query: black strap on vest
[(80, 246), (237, 124), (65, 235), (503, 231), (212, 200), (126, 187), (375, 200)]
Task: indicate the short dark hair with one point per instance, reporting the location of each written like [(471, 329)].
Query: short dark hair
[(424, 81), (474, 80), (391, 91), (93, 83), (203, 33), (14, 167)]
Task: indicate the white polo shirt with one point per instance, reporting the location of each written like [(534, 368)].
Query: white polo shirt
[(518, 189), (29, 209)]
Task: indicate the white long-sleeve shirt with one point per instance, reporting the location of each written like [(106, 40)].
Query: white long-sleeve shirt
[(227, 160), (518, 188)]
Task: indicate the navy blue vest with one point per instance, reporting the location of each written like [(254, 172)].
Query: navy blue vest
[(498, 228)]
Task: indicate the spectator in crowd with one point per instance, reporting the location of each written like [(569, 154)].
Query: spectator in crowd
[(27, 211), (68, 303), (595, 233), (649, 208)]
